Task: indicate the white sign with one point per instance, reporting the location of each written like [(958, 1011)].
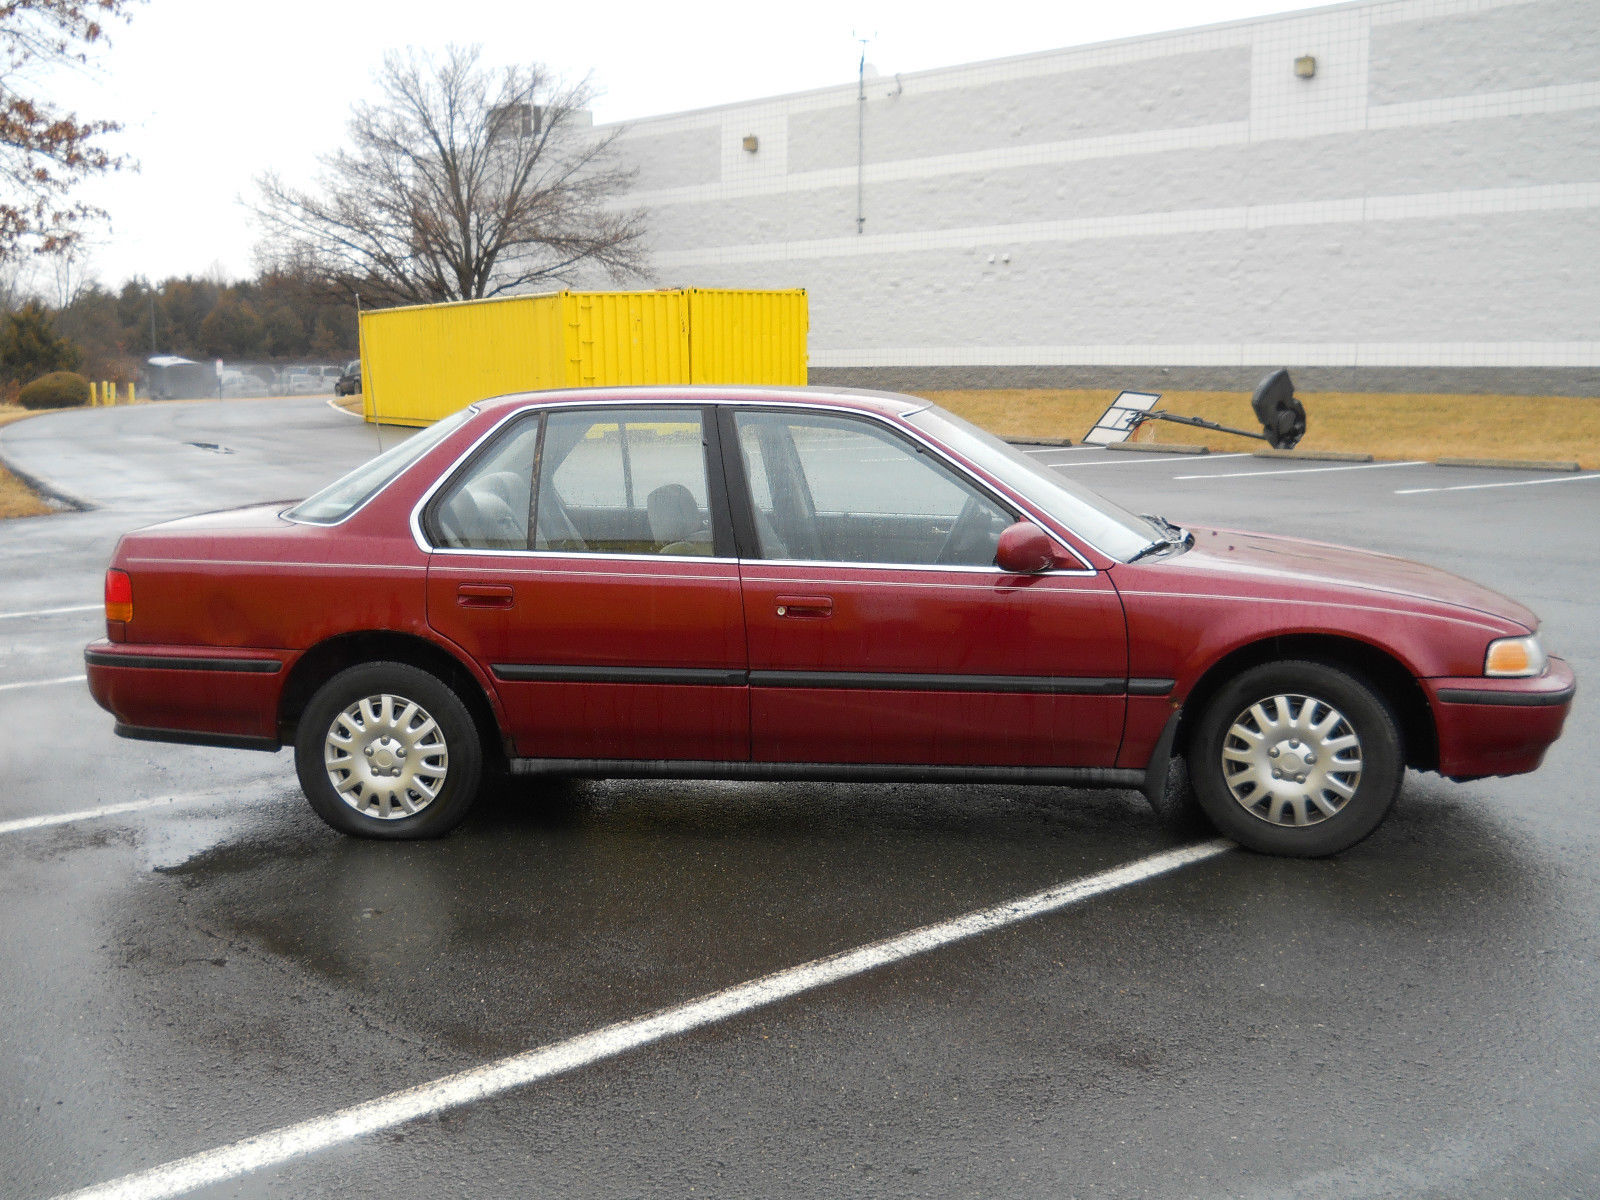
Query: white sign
[(1121, 419), (219, 368)]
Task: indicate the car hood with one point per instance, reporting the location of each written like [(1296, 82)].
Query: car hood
[(1324, 566)]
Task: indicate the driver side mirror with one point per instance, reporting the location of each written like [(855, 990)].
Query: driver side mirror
[(1025, 549)]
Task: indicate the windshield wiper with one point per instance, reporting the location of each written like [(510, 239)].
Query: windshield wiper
[(1172, 537)]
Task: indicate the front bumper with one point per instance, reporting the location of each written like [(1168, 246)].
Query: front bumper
[(1499, 726)]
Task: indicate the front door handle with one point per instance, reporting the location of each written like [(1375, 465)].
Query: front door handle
[(805, 606), (485, 595)]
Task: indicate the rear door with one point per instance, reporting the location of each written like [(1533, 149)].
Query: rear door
[(880, 629), (584, 556)]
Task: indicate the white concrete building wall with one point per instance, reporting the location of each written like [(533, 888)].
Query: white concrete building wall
[(1430, 199)]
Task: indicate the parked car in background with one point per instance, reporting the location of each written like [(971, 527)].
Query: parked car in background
[(306, 380), (349, 383), (801, 584), (241, 383)]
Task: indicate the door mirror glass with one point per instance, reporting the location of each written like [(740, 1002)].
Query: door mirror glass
[(1024, 549)]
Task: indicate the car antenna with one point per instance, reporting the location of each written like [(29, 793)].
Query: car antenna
[(1282, 416)]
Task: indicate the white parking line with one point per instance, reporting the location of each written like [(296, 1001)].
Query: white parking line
[(50, 612), (21, 824), (1473, 487), (492, 1079), (1305, 470), (1149, 458), (30, 683)]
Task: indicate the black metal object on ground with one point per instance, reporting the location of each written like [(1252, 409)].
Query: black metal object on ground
[(1282, 416)]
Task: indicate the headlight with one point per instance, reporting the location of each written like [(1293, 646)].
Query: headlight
[(1518, 657)]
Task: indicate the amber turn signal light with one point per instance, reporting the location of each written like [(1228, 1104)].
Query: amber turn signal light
[(1520, 657), (119, 596)]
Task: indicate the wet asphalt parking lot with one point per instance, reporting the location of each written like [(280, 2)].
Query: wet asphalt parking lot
[(1416, 1017)]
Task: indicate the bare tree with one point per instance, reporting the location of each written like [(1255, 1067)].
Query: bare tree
[(45, 152), (460, 183)]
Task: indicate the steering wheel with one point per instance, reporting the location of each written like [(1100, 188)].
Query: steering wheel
[(968, 535)]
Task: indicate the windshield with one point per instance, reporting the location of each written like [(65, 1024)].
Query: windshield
[(1107, 527), (342, 497)]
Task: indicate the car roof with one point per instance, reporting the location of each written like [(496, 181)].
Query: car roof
[(889, 403)]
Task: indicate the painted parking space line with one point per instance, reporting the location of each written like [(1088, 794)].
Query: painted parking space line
[(46, 820), (494, 1078), (1130, 460), (1306, 470), (1475, 487), (49, 612), (33, 683)]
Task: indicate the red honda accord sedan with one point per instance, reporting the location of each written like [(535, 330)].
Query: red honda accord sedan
[(747, 583)]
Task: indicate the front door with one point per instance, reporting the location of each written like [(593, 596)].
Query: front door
[(584, 557), (880, 629)]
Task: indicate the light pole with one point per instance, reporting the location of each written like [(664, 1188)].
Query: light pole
[(861, 133)]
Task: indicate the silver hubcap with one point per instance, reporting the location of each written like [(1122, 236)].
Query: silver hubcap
[(386, 757), (1291, 760)]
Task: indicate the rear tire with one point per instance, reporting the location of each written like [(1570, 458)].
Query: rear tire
[(386, 750), (1296, 758)]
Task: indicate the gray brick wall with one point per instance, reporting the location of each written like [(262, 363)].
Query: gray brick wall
[(1166, 93), (1507, 151), (1428, 202), (1498, 50), (669, 160)]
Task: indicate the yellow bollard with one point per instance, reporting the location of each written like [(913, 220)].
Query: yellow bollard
[(94, 400), (111, 392), (132, 398)]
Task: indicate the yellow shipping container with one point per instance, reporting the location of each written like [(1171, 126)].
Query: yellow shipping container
[(424, 361)]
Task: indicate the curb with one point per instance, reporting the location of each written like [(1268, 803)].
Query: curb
[(333, 404), (1315, 455), (1509, 464), (1154, 447), (46, 489), (1035, 441)]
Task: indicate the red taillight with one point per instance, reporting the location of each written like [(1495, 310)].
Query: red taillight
[(119, 596)]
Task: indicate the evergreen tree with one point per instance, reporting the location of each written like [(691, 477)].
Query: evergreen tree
[(31, 347)]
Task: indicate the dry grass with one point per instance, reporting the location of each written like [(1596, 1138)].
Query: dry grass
[(1388, 425), (17, 498)]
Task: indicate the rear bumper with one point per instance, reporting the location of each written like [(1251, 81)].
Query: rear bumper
[(197, 695), (1499, 726)]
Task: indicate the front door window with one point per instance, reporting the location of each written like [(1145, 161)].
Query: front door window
[(841, 489)]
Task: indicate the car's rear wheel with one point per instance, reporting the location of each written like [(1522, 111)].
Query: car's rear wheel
[(1296, 758), (386, 750)]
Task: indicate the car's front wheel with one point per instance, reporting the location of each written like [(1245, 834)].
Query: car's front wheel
[(386, 750), (1296, 758)]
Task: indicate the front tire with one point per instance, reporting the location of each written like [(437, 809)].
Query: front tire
[(386, 750), (1296, 758)]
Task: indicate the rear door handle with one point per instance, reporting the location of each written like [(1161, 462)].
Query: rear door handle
[(805, 606), (485, 595)]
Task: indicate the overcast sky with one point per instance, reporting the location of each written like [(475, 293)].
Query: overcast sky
[(212, 92)]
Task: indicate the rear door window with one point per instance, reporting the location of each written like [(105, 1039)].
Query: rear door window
[(624, 481)]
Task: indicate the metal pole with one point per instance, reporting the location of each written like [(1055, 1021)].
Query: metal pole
[(861, 135), (366, 381)]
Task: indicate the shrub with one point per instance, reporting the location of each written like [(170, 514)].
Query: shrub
[(59, 389)]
